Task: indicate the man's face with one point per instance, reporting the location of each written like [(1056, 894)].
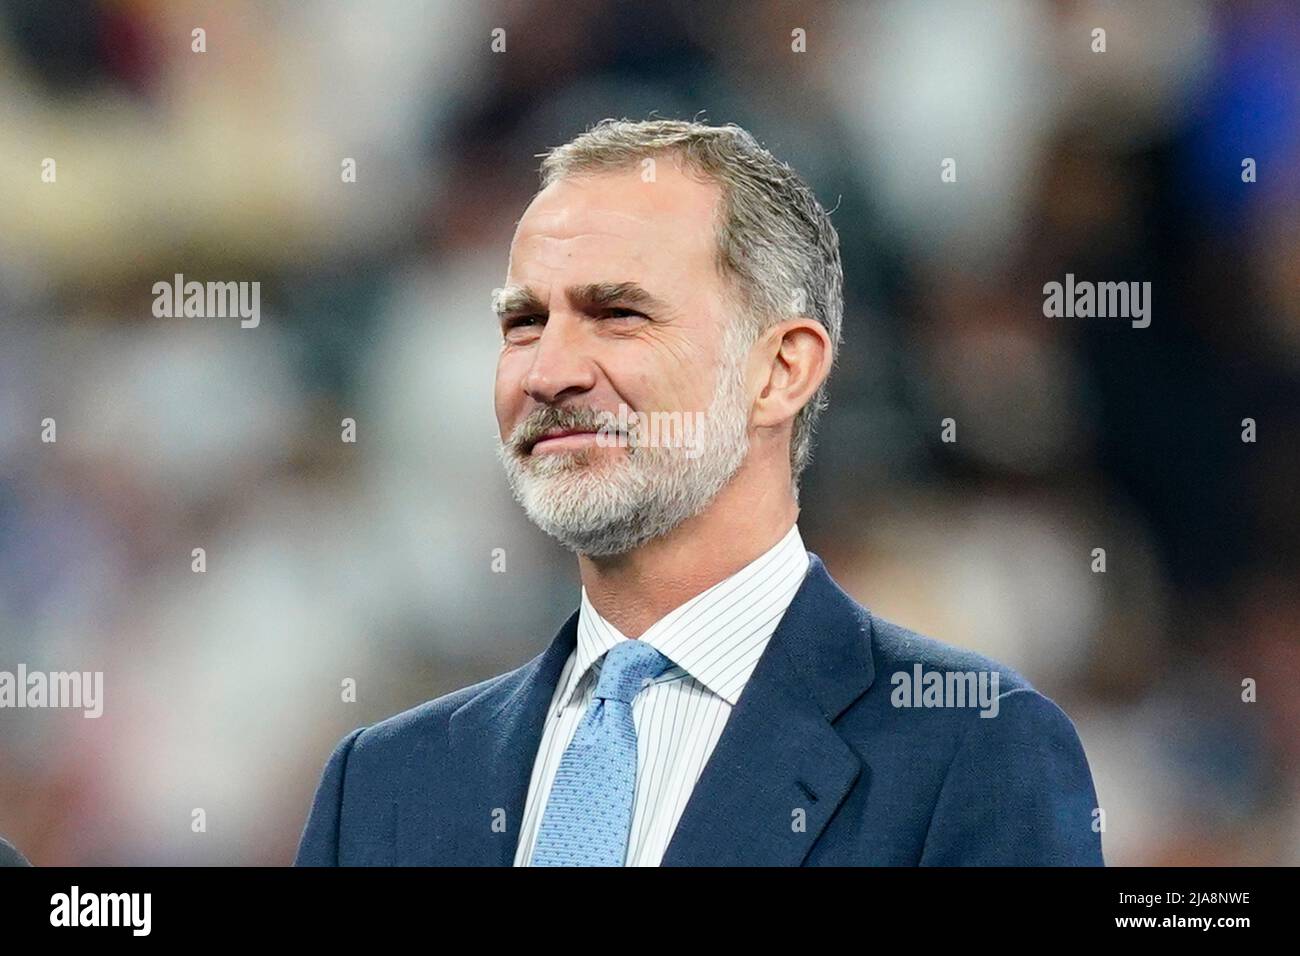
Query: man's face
[(613, 298)]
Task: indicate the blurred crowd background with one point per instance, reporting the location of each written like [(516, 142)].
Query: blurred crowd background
[(372, 561)]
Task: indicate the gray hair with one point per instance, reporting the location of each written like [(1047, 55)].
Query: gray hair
[(776, 245)]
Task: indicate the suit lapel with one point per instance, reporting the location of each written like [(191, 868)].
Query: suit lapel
[(780, 770), (477, 798)]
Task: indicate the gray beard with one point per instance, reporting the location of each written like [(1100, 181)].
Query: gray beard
[(601, 504)]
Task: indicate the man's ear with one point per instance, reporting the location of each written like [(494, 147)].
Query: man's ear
[(796, 357)]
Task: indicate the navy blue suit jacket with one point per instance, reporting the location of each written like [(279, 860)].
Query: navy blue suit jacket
[(815, 766)]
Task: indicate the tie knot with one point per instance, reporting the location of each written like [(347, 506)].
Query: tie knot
[(628, 665)]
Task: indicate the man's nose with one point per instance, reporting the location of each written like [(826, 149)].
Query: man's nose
[(561, 366)]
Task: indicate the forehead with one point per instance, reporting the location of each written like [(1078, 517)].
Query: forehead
[(614, 226)]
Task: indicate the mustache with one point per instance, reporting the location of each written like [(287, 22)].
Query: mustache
[(543, 419)]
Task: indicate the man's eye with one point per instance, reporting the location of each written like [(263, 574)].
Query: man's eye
[(519, 321), (621, 313)]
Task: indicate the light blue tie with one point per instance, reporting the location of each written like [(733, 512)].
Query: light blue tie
[(589, 812)]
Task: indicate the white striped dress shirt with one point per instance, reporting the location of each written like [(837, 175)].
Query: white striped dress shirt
[(714, 641)]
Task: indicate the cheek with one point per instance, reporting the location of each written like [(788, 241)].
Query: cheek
[(675, 370), (687, 381), (636, 380), (667, 386), (508, 394)]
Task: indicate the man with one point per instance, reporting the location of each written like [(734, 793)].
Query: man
[(716, 699)]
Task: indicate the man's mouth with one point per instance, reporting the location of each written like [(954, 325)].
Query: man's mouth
[(560, 439)]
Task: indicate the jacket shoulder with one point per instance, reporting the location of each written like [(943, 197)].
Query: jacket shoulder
[(397, 733), (1012, 790), (364, 773), (898, 649)]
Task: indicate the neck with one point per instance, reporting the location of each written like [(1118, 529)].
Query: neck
[(634, 590)]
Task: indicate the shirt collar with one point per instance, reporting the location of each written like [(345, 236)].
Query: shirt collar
[(717, 636)]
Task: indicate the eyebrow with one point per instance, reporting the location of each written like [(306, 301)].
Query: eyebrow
[(519, 300)]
